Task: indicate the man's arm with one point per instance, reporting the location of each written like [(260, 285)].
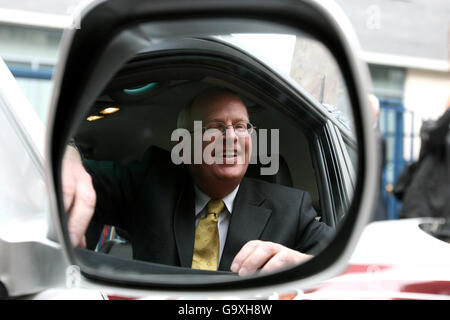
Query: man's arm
[(116, 188), (312, 235), (97, 190)]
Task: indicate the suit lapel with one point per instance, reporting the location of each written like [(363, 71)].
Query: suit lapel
[(184, 225), (247, 223)]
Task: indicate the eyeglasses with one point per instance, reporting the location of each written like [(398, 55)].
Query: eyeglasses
[(241, 128)]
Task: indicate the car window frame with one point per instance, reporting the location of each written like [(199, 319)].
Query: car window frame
[(336, 171)]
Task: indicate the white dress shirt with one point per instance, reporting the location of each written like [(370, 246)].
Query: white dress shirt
[(202, 199)]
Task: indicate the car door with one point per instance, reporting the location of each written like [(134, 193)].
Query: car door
[(336, 170), (23, 196)]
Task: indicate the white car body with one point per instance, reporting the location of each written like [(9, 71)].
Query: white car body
[(414, 266), (393, 259)]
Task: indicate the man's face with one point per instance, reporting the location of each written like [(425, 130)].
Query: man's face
[(231, 151)]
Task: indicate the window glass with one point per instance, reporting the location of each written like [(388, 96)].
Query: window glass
[(305, 61)]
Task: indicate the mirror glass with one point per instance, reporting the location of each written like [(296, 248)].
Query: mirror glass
[(224, 148)]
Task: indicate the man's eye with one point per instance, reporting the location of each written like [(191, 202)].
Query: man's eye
[(240, 126)]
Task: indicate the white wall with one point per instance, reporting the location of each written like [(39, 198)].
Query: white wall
[(426, 94)]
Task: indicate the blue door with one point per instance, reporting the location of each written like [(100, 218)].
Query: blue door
[(391, 123)]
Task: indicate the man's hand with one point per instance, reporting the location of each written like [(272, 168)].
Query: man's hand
[(79, 196), (268, 255)]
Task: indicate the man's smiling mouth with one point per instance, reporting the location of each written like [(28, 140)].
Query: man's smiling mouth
[(228, 154)]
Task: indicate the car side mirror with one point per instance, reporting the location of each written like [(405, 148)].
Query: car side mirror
[(121, 43)]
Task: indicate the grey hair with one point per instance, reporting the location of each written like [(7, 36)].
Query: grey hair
[(184, 116)]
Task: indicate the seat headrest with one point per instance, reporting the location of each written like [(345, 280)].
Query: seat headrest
[(283, 175)]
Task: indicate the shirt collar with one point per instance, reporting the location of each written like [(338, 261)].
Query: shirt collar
[(201, 199)]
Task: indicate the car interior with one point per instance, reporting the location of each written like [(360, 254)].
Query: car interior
[(146, 115), (139, 124)]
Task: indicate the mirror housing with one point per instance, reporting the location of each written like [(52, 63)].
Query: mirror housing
[(107, 38)]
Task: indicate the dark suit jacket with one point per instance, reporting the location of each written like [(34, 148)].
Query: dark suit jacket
[(153, 200)]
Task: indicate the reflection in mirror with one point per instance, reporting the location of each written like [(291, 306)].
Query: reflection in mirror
[(232, 153)]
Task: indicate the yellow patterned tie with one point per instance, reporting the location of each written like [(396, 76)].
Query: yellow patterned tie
[(206, 246)]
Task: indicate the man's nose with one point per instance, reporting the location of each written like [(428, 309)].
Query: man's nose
[(230, 134)]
